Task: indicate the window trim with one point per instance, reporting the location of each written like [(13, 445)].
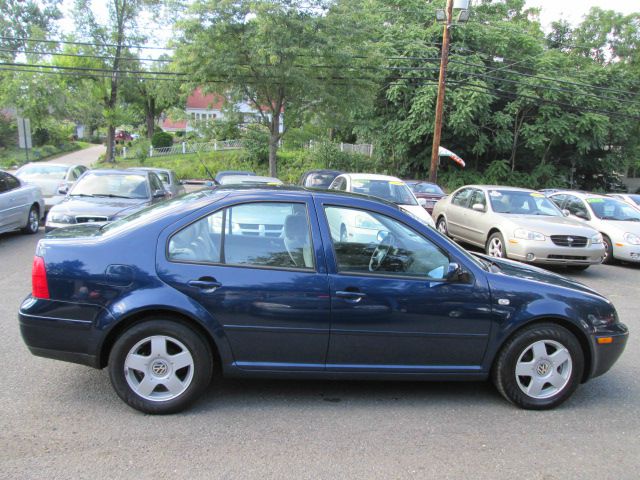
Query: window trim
[(313, 269), (382, 275)]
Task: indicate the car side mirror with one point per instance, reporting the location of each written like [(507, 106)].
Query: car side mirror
[(422, 202), (455, 273), (478, 207), (581, 215), (63, 190), (566, 212), (382, 236), (159, 194)]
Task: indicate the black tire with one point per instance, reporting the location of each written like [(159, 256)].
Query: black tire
[(608, 250), (195, 378), (495, 239), (441, 226), (33, 220), (516, 348)]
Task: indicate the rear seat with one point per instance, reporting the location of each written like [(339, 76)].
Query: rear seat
[(242, 249)]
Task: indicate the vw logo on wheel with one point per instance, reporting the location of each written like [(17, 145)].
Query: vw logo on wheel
[(159, 368)]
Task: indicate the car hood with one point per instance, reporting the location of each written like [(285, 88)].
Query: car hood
[(512, 268), (100, 206), (548, 225), (618, 226), (419, 212)]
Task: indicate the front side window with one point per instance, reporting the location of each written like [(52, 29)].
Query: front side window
[(462, 197), (576, 207), (264, 234), (11, 182), (478, 198), (379, 244), (156, 184)]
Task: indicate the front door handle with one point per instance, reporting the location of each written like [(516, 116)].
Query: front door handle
[(353, 297), (206, 284)]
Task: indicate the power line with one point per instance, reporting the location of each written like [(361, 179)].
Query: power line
[(90, 69), (91, 44), (82, 55)]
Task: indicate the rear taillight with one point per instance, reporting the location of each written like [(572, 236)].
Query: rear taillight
[(40, 288)]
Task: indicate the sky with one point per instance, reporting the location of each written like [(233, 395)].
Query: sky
[(574, 10)]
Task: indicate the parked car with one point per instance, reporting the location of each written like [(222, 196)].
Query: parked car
[(220, 175), (51, 177), (122, 136), (249, 180), (168, 178), (161, 296), (519, 224), (430, 192), (318, 178), (21, 205), (347, 224), (631, 198), (106, 195), (617, 221)]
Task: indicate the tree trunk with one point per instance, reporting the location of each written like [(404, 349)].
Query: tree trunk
[(113, 97), (274, 138), (111, 143), (150, 114)]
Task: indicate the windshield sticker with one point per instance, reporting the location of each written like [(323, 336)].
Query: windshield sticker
[(357, 184), (495, 193), (595, 200), (537, 195), (396, 183)]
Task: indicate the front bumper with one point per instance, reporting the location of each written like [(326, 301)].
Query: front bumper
[(548, 253), (606, 354), (626, 252)]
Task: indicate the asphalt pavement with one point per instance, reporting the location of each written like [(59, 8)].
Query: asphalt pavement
[(59, 420)]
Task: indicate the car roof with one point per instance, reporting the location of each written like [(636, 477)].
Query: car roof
[(371, 176), (151, 169), (108, 171), (498, 187), (309, 172), (580, 194), (249, 179)]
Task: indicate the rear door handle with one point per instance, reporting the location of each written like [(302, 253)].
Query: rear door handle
[(207, 285), (353, 297)]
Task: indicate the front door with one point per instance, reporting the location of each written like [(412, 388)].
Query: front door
[(392, 308), (255, 268)]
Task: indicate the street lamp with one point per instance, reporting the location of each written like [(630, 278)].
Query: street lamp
[(462, 7)]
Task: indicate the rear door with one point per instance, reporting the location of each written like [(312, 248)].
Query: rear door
[(259, 269), (456, 222)]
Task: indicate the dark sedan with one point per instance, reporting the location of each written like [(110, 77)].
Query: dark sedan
[(164, 295), (106, 195), (319, 178), (427, 193)]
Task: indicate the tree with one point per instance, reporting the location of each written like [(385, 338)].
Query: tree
[(112, 43), (279, 56)]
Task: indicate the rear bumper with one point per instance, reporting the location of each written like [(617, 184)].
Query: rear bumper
[(606, 354), (67, 339)]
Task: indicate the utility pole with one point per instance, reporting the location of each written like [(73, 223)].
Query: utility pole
[(444, 60)]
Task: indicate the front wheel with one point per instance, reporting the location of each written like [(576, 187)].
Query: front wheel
[(495, 246), (540, 367), (160, 366), (608, 250), (33, 221)]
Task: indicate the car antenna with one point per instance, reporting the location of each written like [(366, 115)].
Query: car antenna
[(207, 170)]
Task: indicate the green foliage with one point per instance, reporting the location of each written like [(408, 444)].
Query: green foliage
[(161, 139), (8, 132), (256, 143)]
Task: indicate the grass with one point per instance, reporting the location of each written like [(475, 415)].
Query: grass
[(15, 157)]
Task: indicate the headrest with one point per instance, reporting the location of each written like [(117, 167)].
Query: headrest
[(295, 227)]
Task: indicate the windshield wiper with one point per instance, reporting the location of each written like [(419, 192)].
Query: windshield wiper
[(81, 195), (110, 195)]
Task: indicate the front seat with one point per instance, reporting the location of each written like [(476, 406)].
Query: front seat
[(296, 240)]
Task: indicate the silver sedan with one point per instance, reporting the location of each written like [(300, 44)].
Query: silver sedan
[(519, 224), (21, 205)]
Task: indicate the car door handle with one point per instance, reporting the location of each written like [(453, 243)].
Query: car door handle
[(207, 285), (353, 297)]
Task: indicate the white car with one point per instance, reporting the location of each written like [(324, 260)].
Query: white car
[(632, 199), (617, 221), (51, 178), (360, 229), (21, 205), (248, 180)]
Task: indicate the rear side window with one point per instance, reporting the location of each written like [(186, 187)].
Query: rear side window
[(264, 234)]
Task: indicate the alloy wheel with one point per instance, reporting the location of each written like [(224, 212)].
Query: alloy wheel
[(543, 369)]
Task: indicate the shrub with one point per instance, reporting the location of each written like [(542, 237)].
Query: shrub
[(161, 140), (256, 143), (41, 137)]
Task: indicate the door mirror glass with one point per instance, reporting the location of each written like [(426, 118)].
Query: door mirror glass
[(63, 189), (159, 193), (566, 212), (478, 207), (422, 202)]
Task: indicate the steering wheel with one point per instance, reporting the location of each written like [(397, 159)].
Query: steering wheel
[(380, 253)]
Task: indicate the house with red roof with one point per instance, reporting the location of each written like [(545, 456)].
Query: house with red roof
[(204, 107)]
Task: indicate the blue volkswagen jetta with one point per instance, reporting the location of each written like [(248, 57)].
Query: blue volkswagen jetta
[(255, 280)]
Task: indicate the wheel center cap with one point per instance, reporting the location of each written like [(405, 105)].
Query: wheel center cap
[(159, 368), (543, 368)]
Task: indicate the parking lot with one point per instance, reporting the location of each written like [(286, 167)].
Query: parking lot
[(61, 420)]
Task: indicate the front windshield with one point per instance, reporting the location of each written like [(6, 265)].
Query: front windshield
[(51, 171), (112, 185), (391, 190), (612, 209), (523, 203), (427, 188)]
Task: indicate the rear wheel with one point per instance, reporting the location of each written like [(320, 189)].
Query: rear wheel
[(608, 250), (540, 367), (33, 220), (442, 226), (495, 246), (160, 366)]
